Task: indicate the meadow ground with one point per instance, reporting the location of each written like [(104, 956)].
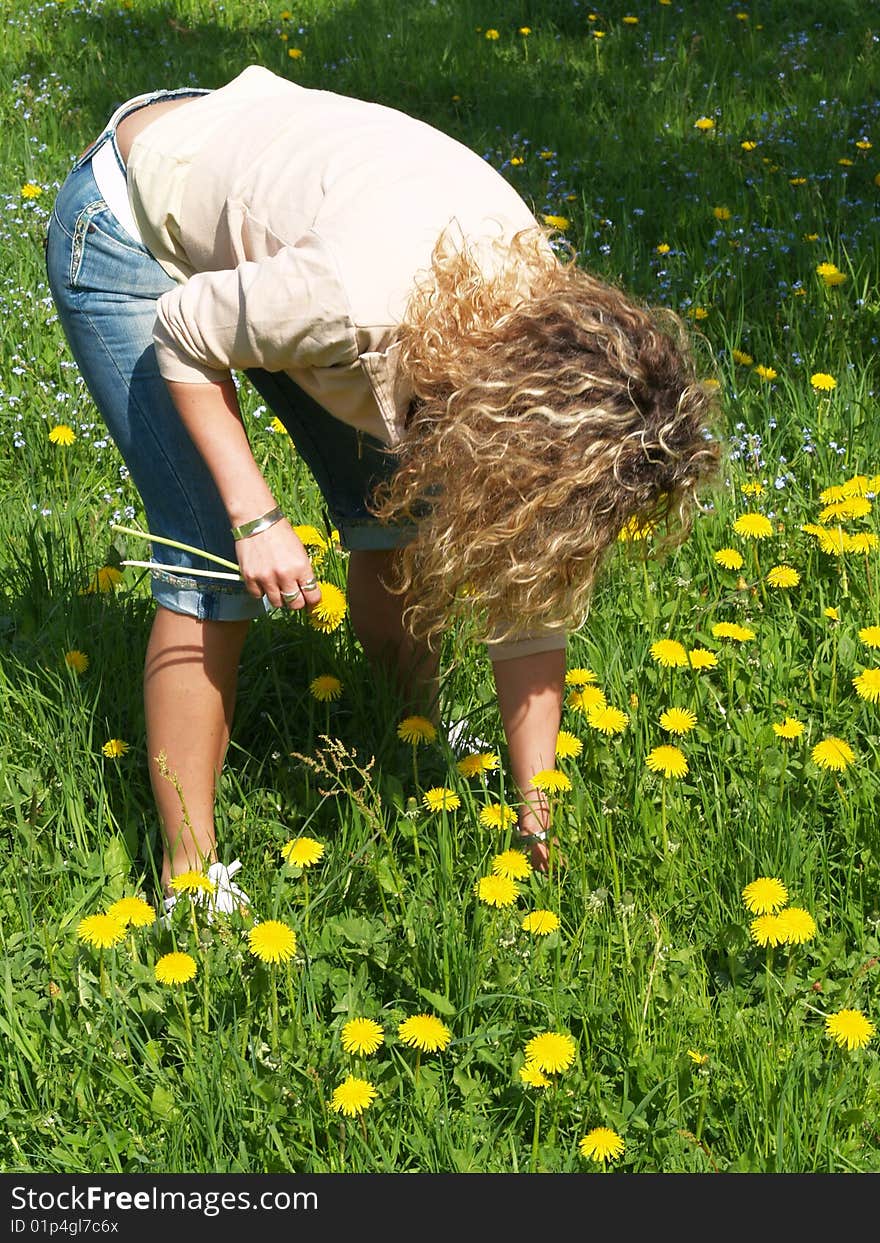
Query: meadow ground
[(697, 987)]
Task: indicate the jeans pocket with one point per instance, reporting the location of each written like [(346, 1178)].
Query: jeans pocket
[(104, 257)]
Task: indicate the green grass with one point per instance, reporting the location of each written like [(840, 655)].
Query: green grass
[(702, 1049)]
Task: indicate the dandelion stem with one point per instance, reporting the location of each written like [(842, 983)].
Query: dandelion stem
[(186, 1019), (536, 1129), (663, 817), (176, 569), (173, 543), (275, 1024)]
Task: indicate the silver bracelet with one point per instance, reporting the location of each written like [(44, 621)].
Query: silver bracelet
[(256, 525), (540, 836)]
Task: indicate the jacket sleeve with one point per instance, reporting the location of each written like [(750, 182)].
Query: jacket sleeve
[(279, 313), (549, 640)]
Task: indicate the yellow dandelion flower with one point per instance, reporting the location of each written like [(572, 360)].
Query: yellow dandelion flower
[(783, 576), (831, 613), (540, 923), (753, 488), (557, 222), (722, 213), (551, 1052), (766, 930), (579, 676), (272, 941), (496, 816), (329, 613), (748, 144), (629, 20), (830, 274), (352, 1097), (30, 190), (585, 698), (175, 968), (100, 931), (860, 485), (113, 748), (728, 558), (439, 798), (678, 720), (551, 781), (492, 34), (416, 729), (823, 382), (133, 911), (797, 925), (192, 882), (663, 248), (870, 635), (867, 685), (704, 123), (478, 763), (732, 630), (310, 536), (700, 1058), (634, 530), (61, 434), (294, 53), (850, 1029), (847, 507), (833, 753), (739, 356), (277, 426), (607, 719), (765, 896), (765, 373), (702, 658), (425, 1032), (669, 761), (325, 688), (531, 1075), (511, 863), (601, 1145), (568, 745), (833, 541), (789, 728), (303, 852), (77, 661), (753, 526), (669, 653), (362, 1036), (497, 891), (107, 578), (864, 541)]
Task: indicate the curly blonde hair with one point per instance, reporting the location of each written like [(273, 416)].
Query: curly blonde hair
[(550, 411)]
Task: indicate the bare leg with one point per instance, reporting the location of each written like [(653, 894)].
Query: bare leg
[(190, 680), (376, 614)]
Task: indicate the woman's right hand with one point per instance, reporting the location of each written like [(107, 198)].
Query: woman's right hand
[(275, 564)]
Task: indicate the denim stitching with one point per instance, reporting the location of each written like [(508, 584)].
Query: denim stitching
[(83, 221)]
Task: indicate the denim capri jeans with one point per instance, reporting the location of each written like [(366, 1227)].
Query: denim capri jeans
[(105, 284)]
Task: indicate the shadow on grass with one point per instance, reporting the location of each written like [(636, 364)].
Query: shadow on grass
[(56, 721)]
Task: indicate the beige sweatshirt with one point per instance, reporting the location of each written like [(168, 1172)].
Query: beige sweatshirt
[(296, 223)]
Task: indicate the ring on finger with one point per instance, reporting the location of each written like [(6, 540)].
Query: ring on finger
[(310, 585), (289, 596)]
